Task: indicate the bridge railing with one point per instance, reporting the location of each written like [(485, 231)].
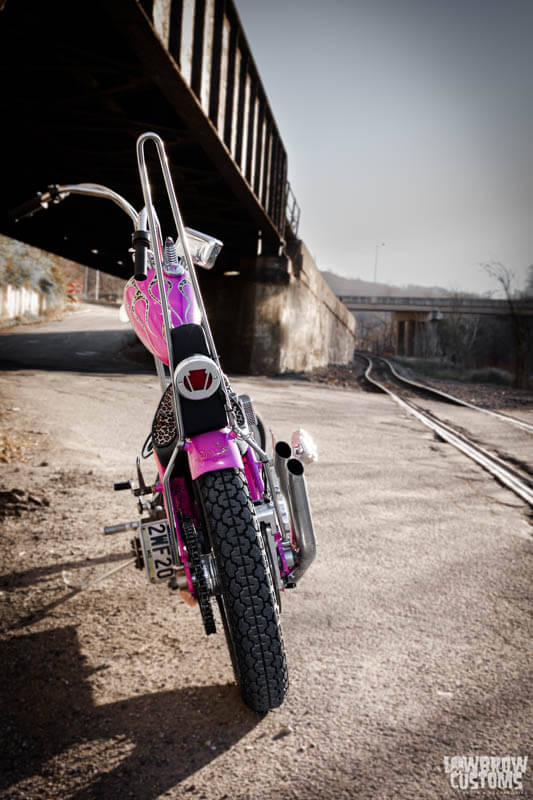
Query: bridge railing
[(293, 210), (468, 305), (208, 44)]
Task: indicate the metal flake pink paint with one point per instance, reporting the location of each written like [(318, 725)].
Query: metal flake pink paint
[(214, 450), (143, 306), (253, 476), (177, 490)]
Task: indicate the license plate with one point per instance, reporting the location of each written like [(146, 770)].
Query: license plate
[(155, 542)]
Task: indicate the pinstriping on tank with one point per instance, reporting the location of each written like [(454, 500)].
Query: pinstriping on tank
[(181, 287), (150, 292), (142, 297), (173, 311)]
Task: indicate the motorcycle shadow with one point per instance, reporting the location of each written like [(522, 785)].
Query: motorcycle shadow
[(37, 575), (55, 738)]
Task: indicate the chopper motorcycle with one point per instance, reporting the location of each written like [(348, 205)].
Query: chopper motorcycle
[(227, 519)]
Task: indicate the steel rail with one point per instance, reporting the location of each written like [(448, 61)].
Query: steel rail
[(505, 474), (450, 398)]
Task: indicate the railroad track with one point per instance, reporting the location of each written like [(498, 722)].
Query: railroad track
[(380, 374)]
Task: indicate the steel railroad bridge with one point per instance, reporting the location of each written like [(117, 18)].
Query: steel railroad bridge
[(81, 80)]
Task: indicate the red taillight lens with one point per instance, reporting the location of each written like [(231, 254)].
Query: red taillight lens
[(198, 379)]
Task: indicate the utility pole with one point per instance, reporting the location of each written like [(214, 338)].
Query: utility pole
[(86, 283), (376, 261)]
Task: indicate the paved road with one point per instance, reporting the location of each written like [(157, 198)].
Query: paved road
[(408, 641), (91, 339)]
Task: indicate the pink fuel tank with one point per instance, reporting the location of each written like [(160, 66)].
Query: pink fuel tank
[(143, 306)]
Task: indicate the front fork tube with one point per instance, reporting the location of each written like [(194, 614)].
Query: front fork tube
[(253, 476), (175, 497), (270, 474), (181, 501)]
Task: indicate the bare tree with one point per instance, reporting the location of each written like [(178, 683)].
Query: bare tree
[(505, 277), (528, 288), (458, 333), (375, 332)]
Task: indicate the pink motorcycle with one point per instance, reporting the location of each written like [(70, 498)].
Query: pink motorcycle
[(224, 520)]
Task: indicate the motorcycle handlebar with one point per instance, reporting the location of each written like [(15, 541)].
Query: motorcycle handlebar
[(55, 194), (37, 203), (27, 209), (207, 246)]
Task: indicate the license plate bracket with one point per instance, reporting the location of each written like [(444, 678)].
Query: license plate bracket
[(157, 552)]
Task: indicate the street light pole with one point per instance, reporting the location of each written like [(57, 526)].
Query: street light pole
[(376, 261)]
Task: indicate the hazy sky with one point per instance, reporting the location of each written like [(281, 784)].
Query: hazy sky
[(408, 122)]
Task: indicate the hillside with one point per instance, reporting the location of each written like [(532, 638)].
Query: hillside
[(356, 286)]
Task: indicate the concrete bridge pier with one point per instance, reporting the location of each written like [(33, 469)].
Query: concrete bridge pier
[(415, 332), (275, 314)]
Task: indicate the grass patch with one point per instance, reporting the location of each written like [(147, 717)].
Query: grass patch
[(446, 371), (491, 375)]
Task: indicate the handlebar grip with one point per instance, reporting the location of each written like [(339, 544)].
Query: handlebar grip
[(38, 203), (119, 487), (26, 209), (141, 245)]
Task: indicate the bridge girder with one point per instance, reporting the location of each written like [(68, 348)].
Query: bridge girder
[(80, 82)]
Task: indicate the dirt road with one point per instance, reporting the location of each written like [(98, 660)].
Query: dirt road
[(408, 641)]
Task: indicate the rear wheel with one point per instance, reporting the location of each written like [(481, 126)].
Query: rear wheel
[(247, 600)]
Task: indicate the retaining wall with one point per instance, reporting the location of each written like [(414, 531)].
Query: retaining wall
[(31, 281), (20, 301)]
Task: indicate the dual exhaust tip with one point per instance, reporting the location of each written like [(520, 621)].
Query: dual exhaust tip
[(290, 471)]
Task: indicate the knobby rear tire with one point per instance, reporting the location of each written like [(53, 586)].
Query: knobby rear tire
[(247, 600)]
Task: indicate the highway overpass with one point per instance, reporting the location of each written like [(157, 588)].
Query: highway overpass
[(436, 305), (414, 317)]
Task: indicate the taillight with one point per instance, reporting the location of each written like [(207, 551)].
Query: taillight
[(197, 377)]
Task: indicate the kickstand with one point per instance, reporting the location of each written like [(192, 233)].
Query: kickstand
[(81, 586)]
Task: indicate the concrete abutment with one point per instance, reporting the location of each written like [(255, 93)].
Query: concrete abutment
[(278, 315), (415, 332)]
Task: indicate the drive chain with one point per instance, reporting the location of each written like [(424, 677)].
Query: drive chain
[(190, 537)]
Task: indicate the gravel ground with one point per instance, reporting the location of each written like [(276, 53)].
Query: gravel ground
[(485, 395)]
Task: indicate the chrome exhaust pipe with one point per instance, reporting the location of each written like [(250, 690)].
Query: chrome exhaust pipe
[(282, 454), (278, 471), (302, 520), (290, 472)]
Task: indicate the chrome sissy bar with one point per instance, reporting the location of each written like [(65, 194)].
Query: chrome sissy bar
[(157, 250)]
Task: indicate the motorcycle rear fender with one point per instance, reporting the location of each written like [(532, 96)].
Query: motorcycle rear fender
[(214, 450)]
